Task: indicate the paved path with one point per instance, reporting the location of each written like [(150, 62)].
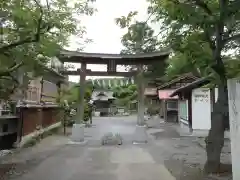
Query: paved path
[(124, 125), (96, 162), (55, 159), (99, 163)]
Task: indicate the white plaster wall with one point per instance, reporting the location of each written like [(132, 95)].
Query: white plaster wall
[(234, 109), (216, 94), (36, 82), (201, 109)]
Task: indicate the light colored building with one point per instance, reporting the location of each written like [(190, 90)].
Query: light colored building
[(38, 109), (103, 102), (195, 107), (169, 104)]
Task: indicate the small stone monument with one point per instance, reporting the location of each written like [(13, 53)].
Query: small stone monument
[(111, 139)]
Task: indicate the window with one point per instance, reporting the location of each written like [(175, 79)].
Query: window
[(183, 111), (172, 105)]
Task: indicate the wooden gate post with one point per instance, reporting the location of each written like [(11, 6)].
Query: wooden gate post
[(78, 127), (141, 107), (140, 133)]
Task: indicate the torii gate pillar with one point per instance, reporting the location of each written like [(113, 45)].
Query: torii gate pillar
[(140, 135), (78, 127)]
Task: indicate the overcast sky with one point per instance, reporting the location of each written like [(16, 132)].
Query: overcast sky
[(101, 27)]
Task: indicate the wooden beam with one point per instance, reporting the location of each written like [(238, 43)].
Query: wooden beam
[(119, 59), (101, 73)]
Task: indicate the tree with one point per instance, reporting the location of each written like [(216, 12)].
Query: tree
[(138, 32), (33, 31), (140, 38), (179, 64), (72, 97), (125, 94), (216, 24), (72, 94), (190, 57), (7, 86)]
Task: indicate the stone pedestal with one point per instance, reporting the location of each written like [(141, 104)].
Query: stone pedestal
[(140, 136), (77, 133), (234, 118)]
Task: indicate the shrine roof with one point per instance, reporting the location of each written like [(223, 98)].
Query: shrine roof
[(101, 58), (102, 95), (183, 77), (189, 87)]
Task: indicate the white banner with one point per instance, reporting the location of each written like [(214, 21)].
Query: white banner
[(98, 82), (121, 82), (103, 83), (132, 80), (115, 83), (93, 82)]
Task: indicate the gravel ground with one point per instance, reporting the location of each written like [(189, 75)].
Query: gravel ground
[(185, 156), (21, 161)]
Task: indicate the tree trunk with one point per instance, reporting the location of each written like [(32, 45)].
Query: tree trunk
[(215, 139)]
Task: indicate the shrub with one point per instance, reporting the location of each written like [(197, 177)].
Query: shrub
[(153, 110)]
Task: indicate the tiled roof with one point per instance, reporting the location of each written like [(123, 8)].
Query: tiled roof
[(181, 77), (102, 95)]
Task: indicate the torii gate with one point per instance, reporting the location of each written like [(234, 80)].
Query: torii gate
[(112, 60)]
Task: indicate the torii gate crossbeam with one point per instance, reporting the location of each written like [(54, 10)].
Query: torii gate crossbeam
[(112, 60)]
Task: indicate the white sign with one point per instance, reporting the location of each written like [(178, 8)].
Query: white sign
[(121, 110), (150, 91), (201, 109), (202, 96)]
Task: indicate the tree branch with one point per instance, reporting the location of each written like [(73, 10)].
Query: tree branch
[(15, 66), (204, 6), (18, 43), (11, 69), (230, 30), (233, 7), (10, 77), (209, 40), (232, 38), (30, 39)]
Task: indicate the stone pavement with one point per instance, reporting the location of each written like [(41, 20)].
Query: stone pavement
[(167, 156), (124, 125), (99, 163)]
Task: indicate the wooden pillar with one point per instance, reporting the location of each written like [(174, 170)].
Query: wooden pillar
[(40, 118), (80, 109), (41, 90), (140, 84), (19, 126), (58, 91), (165, 110), (189, 108)]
